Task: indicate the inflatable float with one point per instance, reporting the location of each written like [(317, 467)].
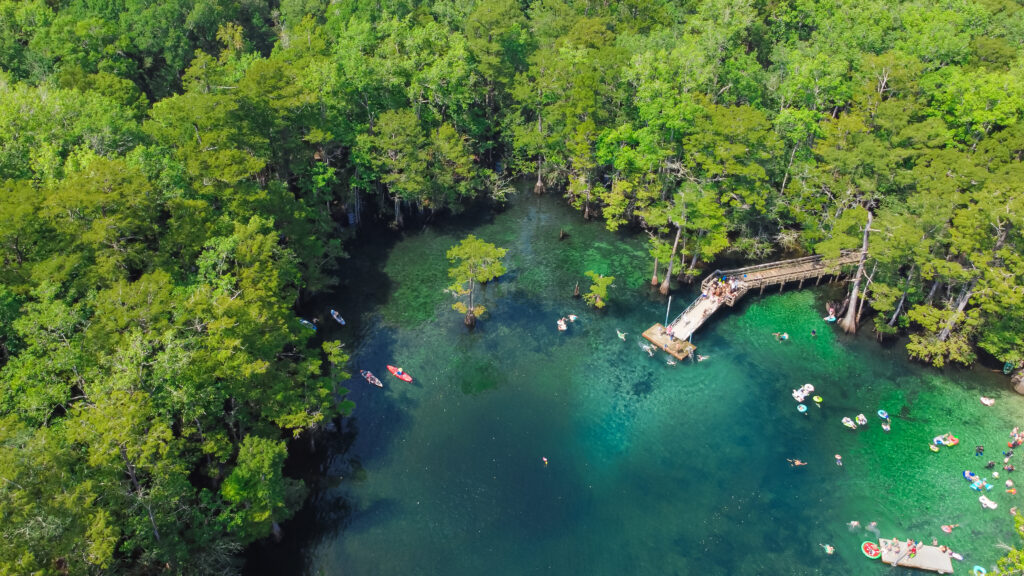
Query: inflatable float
[(885, 426), (801, 408), (862, 420), (870, 549), (399, 373), (978, 571), (987, 401), (946, 440), (307, 324), (976, 482), (933, 447), (849, 423), (883, 414), (817, 399), (986, 503), (948, 528)]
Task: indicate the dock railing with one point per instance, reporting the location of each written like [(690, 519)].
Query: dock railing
[(784, 269), (692, 305)]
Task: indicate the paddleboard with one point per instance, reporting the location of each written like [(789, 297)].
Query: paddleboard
[(337, 317), (371, 378)]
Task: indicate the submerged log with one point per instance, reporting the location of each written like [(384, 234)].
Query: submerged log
[(562, 235), (576, 291), (470, 320)]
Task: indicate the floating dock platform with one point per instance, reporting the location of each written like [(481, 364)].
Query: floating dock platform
[(927, 557), (678, 349)]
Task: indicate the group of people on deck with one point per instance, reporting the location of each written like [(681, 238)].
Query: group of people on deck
[(724, 286)]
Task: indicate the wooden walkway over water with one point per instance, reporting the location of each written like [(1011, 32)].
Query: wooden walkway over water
[(927, 557), (675, 338)]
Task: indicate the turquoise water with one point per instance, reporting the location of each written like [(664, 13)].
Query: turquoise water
[(652, 469)]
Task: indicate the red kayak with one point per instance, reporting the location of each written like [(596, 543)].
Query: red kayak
[(398, 373)]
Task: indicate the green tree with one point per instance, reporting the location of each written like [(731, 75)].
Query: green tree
[(475, 262), (258, 494), (597, 294)]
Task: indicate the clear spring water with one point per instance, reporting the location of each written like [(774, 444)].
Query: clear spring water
[(652, 469)]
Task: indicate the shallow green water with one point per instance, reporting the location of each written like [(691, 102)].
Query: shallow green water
[(653, 469)]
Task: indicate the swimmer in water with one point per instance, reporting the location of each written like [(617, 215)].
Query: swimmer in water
[(702, 358), (839, 460), (873, 527), (853, 524), (795, 462), (544, 460), (829, 549)]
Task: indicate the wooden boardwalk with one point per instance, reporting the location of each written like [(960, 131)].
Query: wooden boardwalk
[(931, 558), (746, 279)]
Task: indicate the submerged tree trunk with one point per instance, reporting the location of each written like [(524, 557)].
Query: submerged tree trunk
[(671, 261), (538, 188), (398, 211), (693, 264), (470, 320), (849, 321), (654, 276), (586, 205), (867, 286)]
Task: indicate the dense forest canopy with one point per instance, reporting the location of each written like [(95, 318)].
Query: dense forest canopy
[(175, 175)]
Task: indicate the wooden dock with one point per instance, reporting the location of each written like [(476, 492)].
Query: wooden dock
[(927, 557), (678, 349), (747, 279)]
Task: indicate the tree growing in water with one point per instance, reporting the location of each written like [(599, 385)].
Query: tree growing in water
[(598, 292), (475, 262)]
